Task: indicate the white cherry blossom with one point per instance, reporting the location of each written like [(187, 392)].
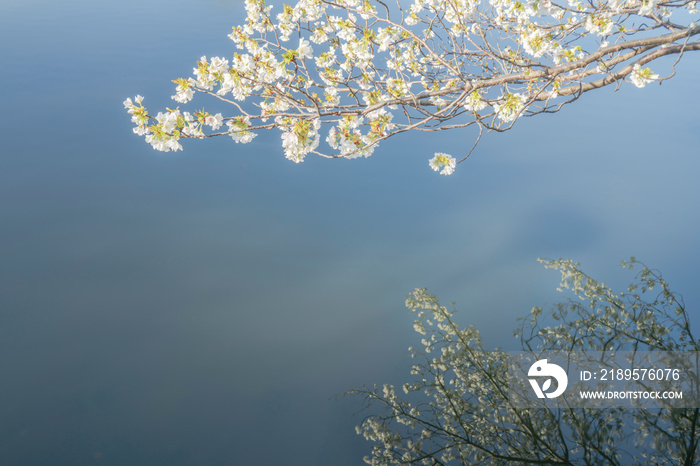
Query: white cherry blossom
[(440, 65)]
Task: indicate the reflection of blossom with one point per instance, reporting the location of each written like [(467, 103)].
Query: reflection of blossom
[(446, 161)]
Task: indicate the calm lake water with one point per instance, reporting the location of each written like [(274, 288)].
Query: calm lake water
[(204, 307)]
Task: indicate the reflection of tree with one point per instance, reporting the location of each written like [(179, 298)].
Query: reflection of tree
[(366, 71), (457, 409)]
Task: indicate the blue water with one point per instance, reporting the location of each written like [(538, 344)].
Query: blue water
[(204, 307)]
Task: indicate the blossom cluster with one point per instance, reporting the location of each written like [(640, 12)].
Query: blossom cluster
[(640, 77), (444, 161)]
